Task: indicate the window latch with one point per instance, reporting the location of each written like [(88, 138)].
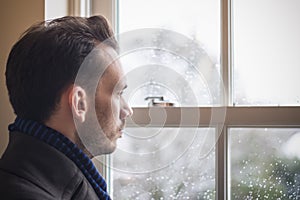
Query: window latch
[(158, 101)]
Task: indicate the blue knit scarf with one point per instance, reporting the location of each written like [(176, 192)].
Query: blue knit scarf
[(65, 146)]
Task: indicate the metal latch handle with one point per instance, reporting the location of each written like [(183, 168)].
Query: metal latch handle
[(158, 101)]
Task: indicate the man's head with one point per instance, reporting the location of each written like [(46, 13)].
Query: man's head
[(41, 71), (106, 107)]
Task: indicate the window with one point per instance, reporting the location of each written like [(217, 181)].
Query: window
[(181, 61), (265, 52), (238, 139), (268, 165), (165, 163), (167, 57)]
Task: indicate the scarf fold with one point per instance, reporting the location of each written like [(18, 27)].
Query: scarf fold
[(65, 146)]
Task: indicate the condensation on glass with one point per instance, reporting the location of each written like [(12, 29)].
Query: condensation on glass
[(165, 163), (266, 49), (169, 163), (163, 72), (264, 163)]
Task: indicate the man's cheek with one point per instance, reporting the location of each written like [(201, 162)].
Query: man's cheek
[(115, 109)]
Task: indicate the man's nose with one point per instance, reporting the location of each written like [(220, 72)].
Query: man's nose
[(126, 111), (130, 111)]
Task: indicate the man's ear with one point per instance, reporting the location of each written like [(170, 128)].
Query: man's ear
[(78, 103)]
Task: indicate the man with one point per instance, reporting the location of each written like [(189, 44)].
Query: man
[(65, 86)]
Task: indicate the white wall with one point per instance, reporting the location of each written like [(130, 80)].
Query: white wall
[(55, 8), (15, 17)]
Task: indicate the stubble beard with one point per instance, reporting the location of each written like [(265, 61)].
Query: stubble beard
[(90, 137)]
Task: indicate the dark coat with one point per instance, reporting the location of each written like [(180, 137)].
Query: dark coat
[(32, 169)]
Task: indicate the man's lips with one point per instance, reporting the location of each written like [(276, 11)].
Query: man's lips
[(121, 130), (122, 127)]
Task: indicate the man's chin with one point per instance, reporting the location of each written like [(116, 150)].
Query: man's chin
[(105, 149), (96, 144)]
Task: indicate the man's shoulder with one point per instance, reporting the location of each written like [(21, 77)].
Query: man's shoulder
[(32, 166), (25, 152), (13, 186)]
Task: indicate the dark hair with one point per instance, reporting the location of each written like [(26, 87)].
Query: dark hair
[(46, 60)]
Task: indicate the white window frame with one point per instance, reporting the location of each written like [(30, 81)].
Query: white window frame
[(263, 116), (270, 117)]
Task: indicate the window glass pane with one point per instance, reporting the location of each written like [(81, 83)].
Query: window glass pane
[(266, 47), (264, 163), (167, 163), (182, 63)]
